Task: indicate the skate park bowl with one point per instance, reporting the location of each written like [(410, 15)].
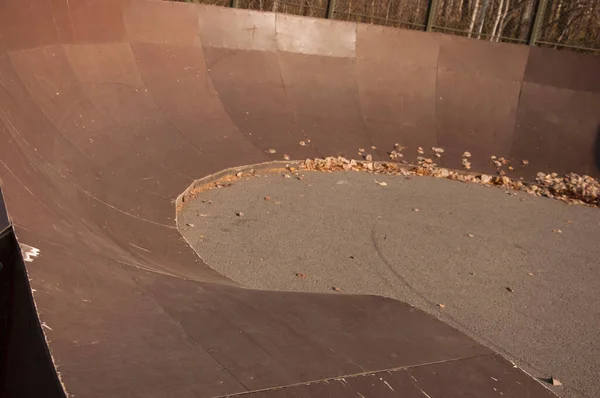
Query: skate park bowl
[(110, 110)]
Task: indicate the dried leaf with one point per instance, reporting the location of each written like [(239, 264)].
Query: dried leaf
[(569, 222), (287, 176), (286, 157), (239, 214), (335, 289), (530, 273), (302, 143), (466, 155), (558, 231), (301, 276), (470, 235), (510, 289), (361, 150), (382, 183), (190, 225), (271, 151), (267, 198), (373, 147), (525, 162), (239, 174), (441, 305), (416, 210), (555, 382)]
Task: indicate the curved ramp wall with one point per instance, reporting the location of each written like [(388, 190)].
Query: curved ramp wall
[(109, 110)]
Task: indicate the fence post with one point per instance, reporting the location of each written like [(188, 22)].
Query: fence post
[(330, 9), (235, 3), (431, 13), (537, 22)]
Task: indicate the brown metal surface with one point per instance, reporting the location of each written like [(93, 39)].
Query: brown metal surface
[(109, 110)]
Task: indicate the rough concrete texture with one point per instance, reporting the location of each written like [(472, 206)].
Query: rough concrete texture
[(518, 273)]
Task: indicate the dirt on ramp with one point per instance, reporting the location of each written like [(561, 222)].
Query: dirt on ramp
[(109, 110)]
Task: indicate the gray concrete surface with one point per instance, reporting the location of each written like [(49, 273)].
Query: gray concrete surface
[(344, 230)]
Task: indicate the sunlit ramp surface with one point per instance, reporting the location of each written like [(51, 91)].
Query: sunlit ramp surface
[(109, 110)]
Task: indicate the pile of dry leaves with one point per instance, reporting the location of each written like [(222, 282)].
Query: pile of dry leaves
[(571, 188)]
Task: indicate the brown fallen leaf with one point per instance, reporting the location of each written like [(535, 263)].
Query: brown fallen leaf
[(470, 235), (555, 382), (239, 214), (525, 162), (301, 276), (441, 305), (335, 289), (416, 210), (466, 155), (302, 143), (510, 289), (382, 183), (369, 158), (373, 147), (530, 273), (277, 203), (271, 151), (267, 198), (569, 222), (558, 231), (239, 174), (286, 157), (511, 168), (361, 150)]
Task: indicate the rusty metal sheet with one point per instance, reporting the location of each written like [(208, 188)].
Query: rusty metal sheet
[(312, 36), (556, 130), (396, 72), (88, 21), (197, 111), (259, 106), (481, 58), (563, 69), (237, 29), (323, 93), (476, 100), (35, 14), (162, 23)]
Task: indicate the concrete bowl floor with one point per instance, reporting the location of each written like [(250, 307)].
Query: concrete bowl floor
[(520, 274)]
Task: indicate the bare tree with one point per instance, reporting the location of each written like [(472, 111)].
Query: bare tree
[(473, 17)]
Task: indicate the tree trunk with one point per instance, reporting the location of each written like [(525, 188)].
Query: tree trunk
[(497, 20), (502, 21), (484, 7), (473, 17)]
